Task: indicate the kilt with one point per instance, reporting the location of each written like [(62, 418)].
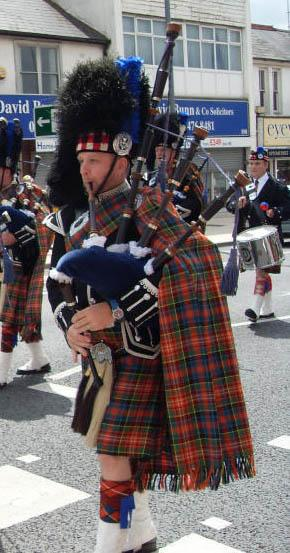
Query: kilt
[(181, 418), (135, 422)]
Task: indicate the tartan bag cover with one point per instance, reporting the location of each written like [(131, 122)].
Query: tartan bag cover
[(197, 429)]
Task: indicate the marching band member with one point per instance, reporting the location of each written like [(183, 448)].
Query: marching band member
[(188, 198), (28, 246), (269, 203), (175, 417)]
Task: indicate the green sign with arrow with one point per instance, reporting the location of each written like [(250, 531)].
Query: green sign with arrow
[(45, 121)]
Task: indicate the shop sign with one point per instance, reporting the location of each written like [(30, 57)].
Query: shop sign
[(45, 144), (279, 152), (276, 131), (45, 121), (22, 106), (223, 118)]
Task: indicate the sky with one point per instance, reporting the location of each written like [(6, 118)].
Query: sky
[(270, 12)]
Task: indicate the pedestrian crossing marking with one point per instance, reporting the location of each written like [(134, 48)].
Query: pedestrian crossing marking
[(194, 542), (64, 374), (216, 523), (51, 388), (24, 495), (28, 458), (282, 441)]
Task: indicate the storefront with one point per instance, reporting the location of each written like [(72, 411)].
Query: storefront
[(227, 122), (22, 106), (277, 140)]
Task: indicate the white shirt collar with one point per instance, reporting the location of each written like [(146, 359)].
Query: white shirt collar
[(262, 181)]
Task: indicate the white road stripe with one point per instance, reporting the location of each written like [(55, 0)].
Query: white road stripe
[(194, 542), (28, 458), (261, 321), (50, 388), (216, 523), (282, 441), (24, 495), (64, 374)]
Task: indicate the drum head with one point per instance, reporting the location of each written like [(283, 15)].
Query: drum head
[(255, 233)]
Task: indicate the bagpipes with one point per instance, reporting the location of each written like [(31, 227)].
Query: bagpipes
[(135, 265)]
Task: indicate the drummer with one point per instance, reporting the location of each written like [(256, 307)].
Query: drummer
[(268, 204)]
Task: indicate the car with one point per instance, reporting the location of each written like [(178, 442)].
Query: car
[(286, 224)]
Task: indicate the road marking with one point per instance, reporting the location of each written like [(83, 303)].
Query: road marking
[(282, 441), (261, 321), (24, 495), (28, 458), (194, 542), (216, 523), (64, 374), (50, 388)]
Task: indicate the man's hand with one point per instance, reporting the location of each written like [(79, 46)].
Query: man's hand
[(78, 342), (8, 238), (242, 202), (93, 318)]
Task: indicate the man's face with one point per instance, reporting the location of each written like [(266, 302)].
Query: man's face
[(258, 168), (168, 154), (95, 166)]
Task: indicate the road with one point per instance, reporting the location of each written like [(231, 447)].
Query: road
[(48, 500)]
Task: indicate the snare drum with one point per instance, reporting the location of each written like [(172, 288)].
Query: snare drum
[(260, 247)]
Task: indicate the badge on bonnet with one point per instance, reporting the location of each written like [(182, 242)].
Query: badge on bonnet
[(122, 144)]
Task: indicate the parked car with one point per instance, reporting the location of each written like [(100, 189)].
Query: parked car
[(286, 224)]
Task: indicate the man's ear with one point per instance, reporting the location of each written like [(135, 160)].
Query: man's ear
[(123, 164)]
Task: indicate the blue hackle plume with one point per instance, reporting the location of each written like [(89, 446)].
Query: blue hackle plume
[(183, 118), (130, 68), (230, 278), (261, 150)]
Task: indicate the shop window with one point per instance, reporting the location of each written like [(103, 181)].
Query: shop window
[(38, 69), (262, 88)]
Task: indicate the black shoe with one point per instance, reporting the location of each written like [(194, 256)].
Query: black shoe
[(3, 385), (268, 316), (251, 315), (44, 369), (148, 547)]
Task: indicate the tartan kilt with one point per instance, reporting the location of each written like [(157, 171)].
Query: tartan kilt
[(135, 422)]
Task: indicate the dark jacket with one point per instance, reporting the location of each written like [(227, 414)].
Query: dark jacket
[(277, 196)]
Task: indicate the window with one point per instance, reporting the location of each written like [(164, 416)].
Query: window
[(146, 38), (262, 89), (276, 76), (199, 46), (38, 69)]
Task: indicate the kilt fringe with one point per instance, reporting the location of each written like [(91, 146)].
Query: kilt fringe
[(206, 477)]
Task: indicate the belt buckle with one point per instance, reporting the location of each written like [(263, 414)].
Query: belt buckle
[(101, 352)]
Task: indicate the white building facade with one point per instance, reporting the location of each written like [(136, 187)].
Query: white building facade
[(36, 51), (271, 58), (212, 65)]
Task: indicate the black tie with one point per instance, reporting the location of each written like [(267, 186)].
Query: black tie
[(256, 184)]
